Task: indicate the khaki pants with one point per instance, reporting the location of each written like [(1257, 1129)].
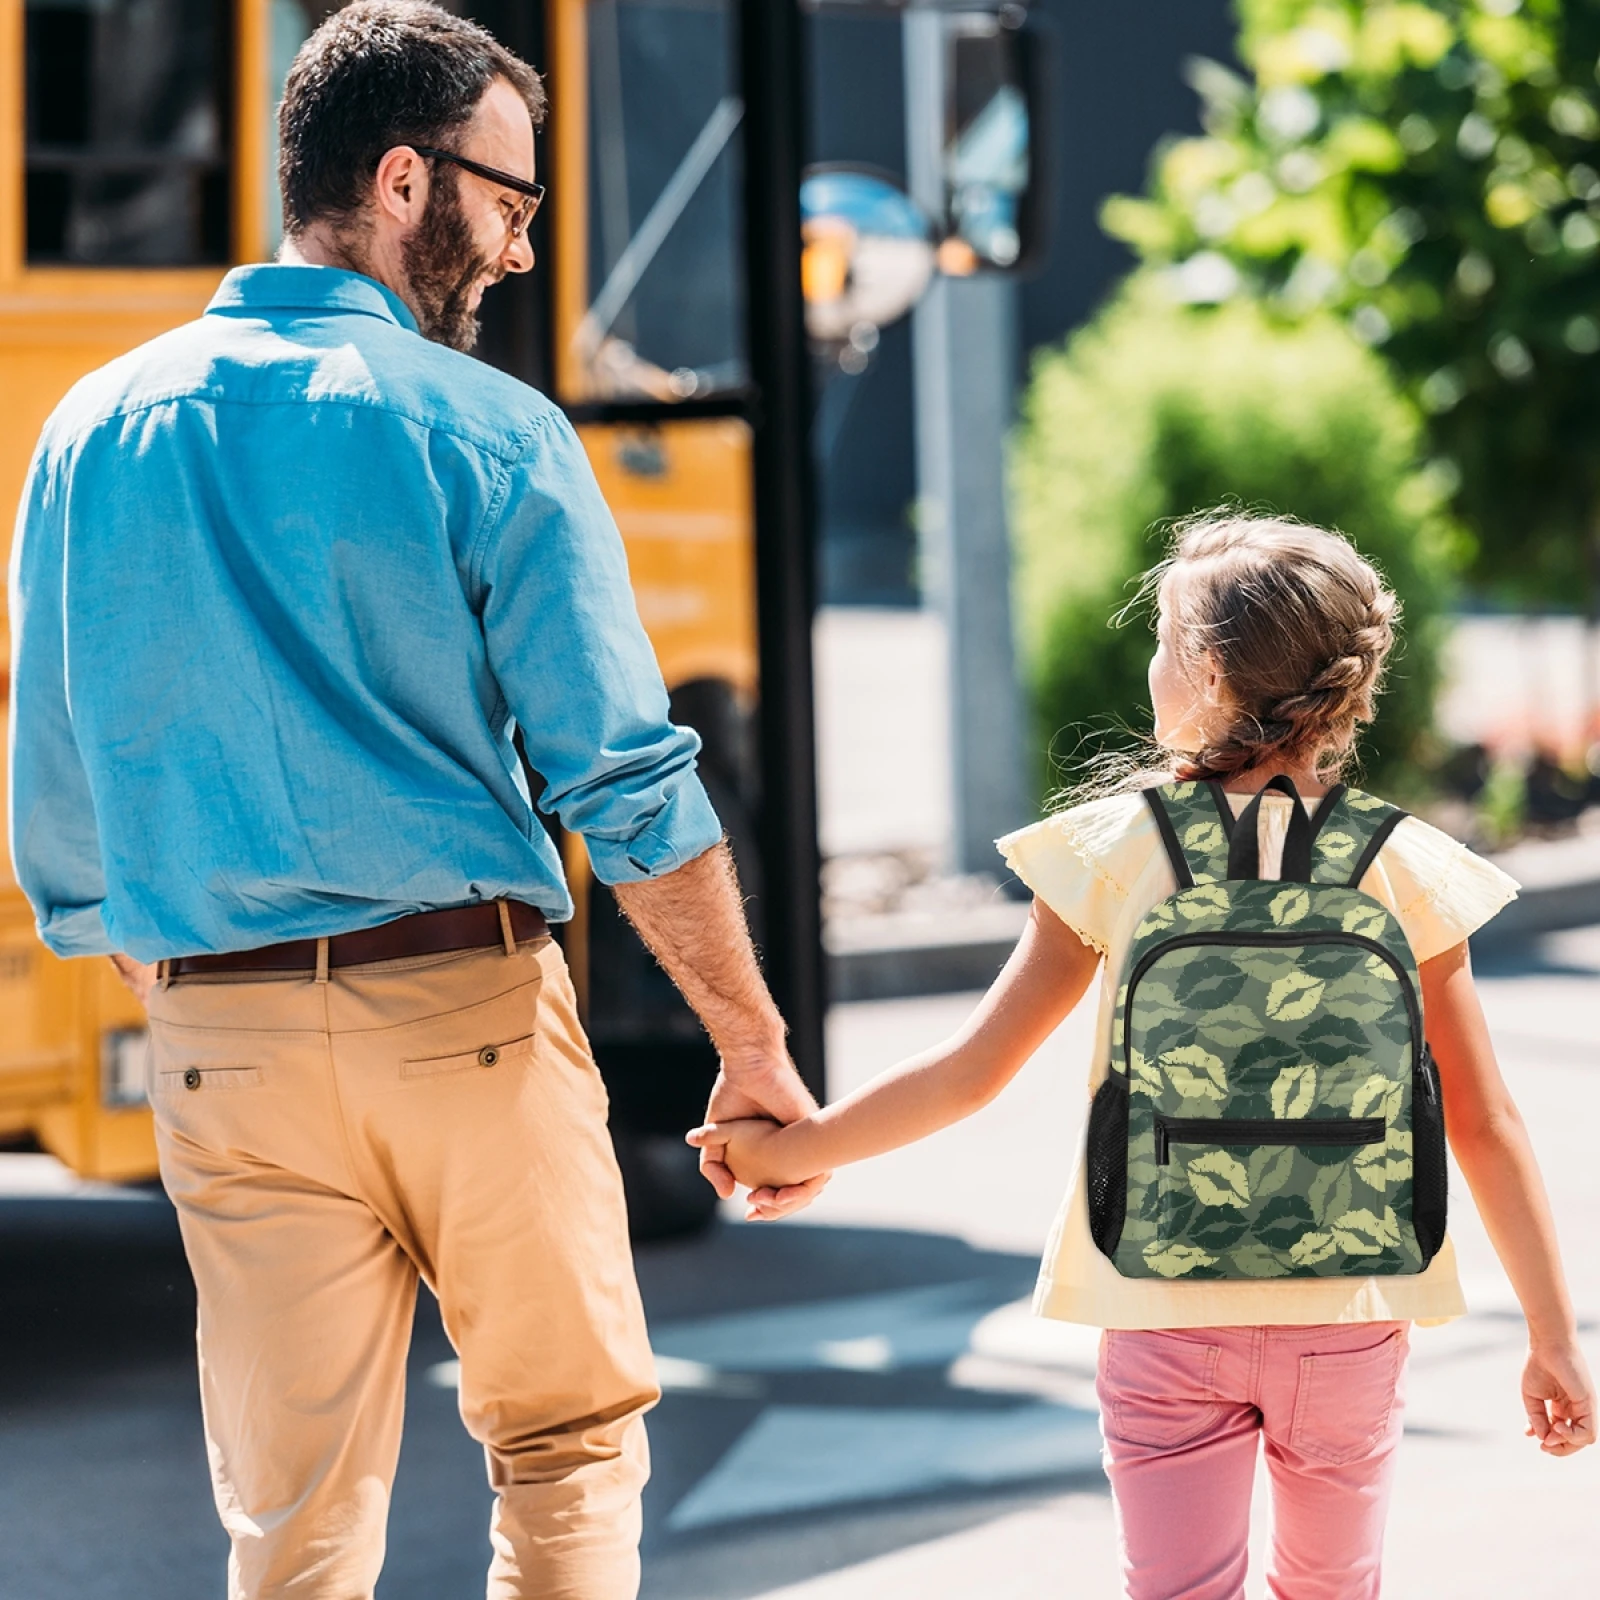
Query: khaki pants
[(327, 1144)]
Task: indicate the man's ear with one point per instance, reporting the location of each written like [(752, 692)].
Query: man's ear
[(400, 186)]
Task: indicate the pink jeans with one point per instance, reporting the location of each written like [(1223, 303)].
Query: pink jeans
[(1181, 1410)]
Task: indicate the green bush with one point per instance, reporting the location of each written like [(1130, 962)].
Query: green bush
[(1156, 410)]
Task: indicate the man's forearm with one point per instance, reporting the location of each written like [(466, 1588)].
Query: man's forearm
[(693, 921)]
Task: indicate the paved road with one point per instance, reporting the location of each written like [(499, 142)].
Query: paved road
[(858, 1404)]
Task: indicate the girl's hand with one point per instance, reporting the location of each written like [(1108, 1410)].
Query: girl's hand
[(752, 1149), (1558, 1395)]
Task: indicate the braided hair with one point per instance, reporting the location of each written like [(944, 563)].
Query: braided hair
[(1298, 626)]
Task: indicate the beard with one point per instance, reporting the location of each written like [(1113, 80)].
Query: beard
[(441, 267)]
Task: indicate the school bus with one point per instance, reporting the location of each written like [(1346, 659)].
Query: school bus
[(136, 155)]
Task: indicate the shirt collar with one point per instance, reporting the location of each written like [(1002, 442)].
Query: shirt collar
[(269, 286)]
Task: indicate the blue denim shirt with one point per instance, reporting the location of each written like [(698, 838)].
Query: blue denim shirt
[(285, 581)]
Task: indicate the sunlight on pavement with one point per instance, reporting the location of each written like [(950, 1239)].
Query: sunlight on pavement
[(798, 1458)]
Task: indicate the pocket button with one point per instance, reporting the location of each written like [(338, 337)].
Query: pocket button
[(191, 1078), (488, 1056)]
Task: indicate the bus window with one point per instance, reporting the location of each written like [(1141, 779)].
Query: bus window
[(662, 313), (128, 132)]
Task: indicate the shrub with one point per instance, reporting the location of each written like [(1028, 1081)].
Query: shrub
[(1156, 410)]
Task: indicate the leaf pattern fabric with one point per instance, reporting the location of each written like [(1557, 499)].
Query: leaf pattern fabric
[(1285, 1016)]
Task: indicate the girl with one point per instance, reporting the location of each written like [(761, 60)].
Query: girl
[(1272, 642)]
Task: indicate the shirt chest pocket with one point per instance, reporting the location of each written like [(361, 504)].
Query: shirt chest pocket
[(495, 1055)]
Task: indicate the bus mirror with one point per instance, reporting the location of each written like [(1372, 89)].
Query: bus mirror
[(866, 256), (992, 156)]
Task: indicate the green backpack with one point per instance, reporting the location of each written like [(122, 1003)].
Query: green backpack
[(1271, 1110)]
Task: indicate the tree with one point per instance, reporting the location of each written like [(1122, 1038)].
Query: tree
[(1156, 410), (1430, 171)]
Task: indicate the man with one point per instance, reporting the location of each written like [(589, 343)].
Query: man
[(285, 582)]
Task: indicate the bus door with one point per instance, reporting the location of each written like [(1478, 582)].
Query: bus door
[(660, 285), (132, 173)]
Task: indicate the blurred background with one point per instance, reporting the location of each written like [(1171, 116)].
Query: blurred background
[(897, 335)]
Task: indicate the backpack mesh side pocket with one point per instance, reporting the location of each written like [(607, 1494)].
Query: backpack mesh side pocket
[(1108, 1163), (1430, 1174)]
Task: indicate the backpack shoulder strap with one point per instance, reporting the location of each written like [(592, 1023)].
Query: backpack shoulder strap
[(1349, 836), (1195, 824)]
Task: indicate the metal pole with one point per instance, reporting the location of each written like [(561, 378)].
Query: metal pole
[(772, 48), (964, 351)]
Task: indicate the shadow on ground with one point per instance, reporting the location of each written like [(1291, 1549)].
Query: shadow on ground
[(815, 1412)]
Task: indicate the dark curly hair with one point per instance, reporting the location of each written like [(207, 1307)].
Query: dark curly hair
[(377, 74)]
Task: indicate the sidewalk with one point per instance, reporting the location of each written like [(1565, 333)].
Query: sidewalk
[(1479, 1514)]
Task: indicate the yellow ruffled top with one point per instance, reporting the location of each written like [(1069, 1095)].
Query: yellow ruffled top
[(1100, 868)]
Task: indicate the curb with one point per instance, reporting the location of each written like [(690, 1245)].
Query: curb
[(907, 971)]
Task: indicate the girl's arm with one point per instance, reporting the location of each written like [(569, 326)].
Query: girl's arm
[(1044, 979), (1490, 1142)]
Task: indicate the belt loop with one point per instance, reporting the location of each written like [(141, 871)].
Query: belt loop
[(322, 960), (507, 932), (164, 974)]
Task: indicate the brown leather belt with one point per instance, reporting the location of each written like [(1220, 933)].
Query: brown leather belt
[(424, 933)]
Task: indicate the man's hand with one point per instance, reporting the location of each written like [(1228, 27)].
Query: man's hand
[(693, 922), (762, 1089), (139, 976)]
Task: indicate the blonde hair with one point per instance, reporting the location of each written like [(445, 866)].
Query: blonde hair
[(1297, 624)]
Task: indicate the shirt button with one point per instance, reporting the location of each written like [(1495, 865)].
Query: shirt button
[(191, 1077), (488, 1056)]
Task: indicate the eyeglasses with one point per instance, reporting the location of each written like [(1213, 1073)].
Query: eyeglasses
[(532, 193)]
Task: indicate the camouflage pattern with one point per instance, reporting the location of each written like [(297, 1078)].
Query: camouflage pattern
[(1278, 1002)]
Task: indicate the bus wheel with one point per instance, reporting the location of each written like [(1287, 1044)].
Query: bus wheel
[(667, 1197)]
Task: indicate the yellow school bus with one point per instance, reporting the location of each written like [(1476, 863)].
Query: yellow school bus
[(136, 152)]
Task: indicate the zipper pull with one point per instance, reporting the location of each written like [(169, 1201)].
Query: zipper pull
[(1430, 1086)]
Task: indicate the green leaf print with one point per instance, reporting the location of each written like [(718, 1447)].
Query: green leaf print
[(1143, 1078), (1294, 997), (1207, 982), (1379, 1096), (1381, 1165), (1218, 1179), (1284, 1219), (1311, 1248), (1217, 1227), (1174, 1260), (1195, 1073), (1269, 1169), (1202, 901), (1256, 1261), (1204, 837), (1135, 1230), (1289, 906), (1329, 1040), (1231, 1026), (1329, 1192), (1336, 846), (1157, 919), (1262, 1055), (1360, 1233), (1265, 966), (1294, 1092)]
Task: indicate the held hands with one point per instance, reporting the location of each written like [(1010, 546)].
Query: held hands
[(1558, 1395), (758, 1084), (753, 1150)]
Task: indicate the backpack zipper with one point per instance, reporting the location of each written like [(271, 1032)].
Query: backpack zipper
[(1266, 1130), (1273, 941)]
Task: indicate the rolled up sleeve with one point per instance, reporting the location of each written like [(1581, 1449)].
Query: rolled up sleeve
[(566, 645), (51, 828)]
